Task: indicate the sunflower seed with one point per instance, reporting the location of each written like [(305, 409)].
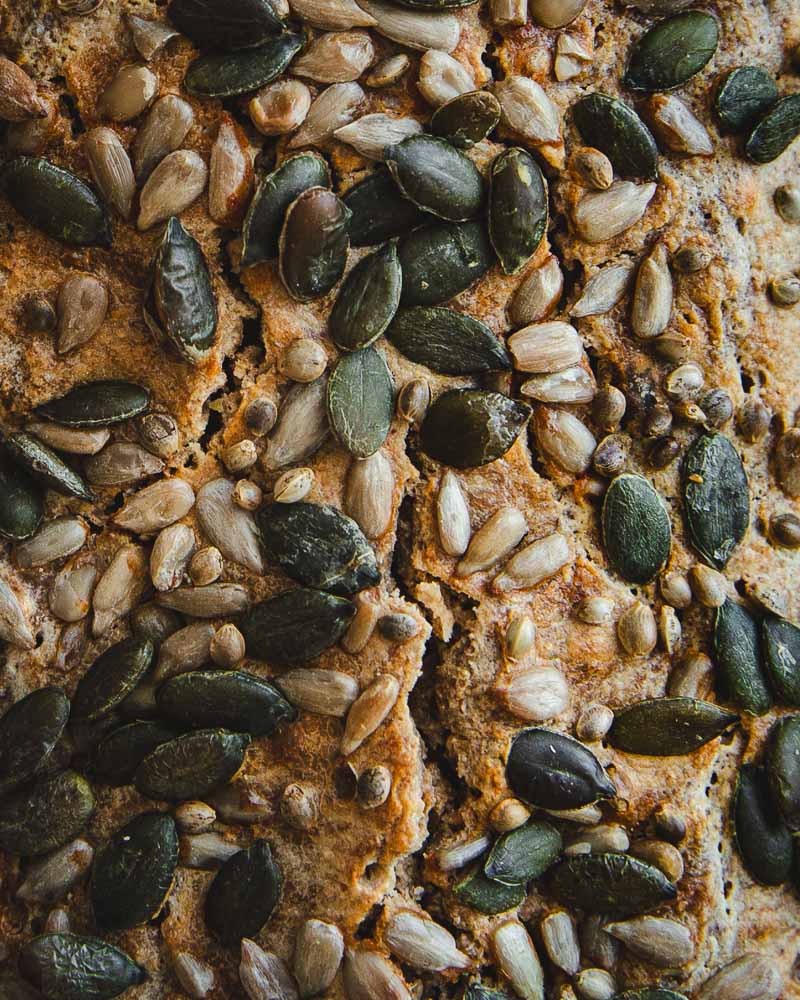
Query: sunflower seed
[(564, 439), (70, 966), (333, 14), (595, 984), (213, 601), (546, 347), (609, 125), (18, 98), (508, 13), (229, 74), (111, 169), (53, 877), (368, 711), (422, 943), (130, 92), (716, 498), (264, 975), (652, 296), (528, 111), (119, 588), (533, 564), (441, 260), (45, 814), (361, 627), (212, 24), (57, 539), (318, 952), (370, 493), (672, 51), (601, 215), (311, 265), (15, 627), (555, 13), (166, 126), (452, 858), (762, 838), (573, 385), (195, 977), (416, 29), (553, 771), (149, 37), (170, 556), (517, 960), (677, 128), (74, 441), (490, 423), (121, 463), (321, 692), (535, 695), (227, 526), (441, 78), (336, 57), (368, 975), (749, 977), (296, 625), (155, 507), (71, 593), (604, 290), (561, 941), (230, 178), (452, 516), (493, 541), (572, 57), (186, 649), (372, 135), (178, 180), (538, 294), (332, 109), (243, 894), (389, 71)]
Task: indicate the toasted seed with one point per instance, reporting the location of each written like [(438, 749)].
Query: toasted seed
[(785, 290), (564, 439), (190, 766), (303, 360), (487, 895), (524, 853), (226, 698), (314, 244), (447, 341), (293, 485), (228, 74), (416, 29), (594, 722), (466, 118), (422, 943), (555, 13), (546, 347), (493, 541), (121, 463), (762, 838), (241, 456), (264, 974), (295, 626), (506, 14), (227, 646), (592, 168), (527, 110), (595, 984), (610, 883), (437, 177), (57, 539), (787, 453), (50, 879), (366, 973), (360, 401), (708, 586), (369, 494), (19, 101), (213, 24), (162, 132), (677, 128), (212, 601), (322, 692), (452, 858), (111, 168), (398, 627), (636, 528), (186, 649), (230, 179), (247, 495), (691, 677), (517, 960), (604, 290), (775, 132), (129, 93), (636, 629), (194, 976), (745, 95), (672, 51), (178, 180), (553, 771), (413, 401), (561, 941), (158, 432), (318, 952), (611, 126), (45, 814), (517, 208), (149, 37), (241, 803), (538, 294), (509, 814), (442, 78), (452, 516), (243, 894), (441, 260), (610, 455), (373, 135), (360, 630), (332, 109), (29, 731), (595, 610), (156, 506), (736, 647), (749, 977), (716, 498), (490, 423), (194, 817), (119, 588), (71, 593), (93, 404), (781, 647), (300, 806), (15, 628), (280, 107), (665, 727), (336, 57), (333, 14), (169, 557), (368, 711), (389, 70), (533, 564), (652, 296), (205, 566), (783, 769), (787, 202), (601, 215), (78, 968)]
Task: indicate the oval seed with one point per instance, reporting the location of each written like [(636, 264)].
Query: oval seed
[(762, 838), (45, 814), (29, 731), (57, 539), (490, 423), (779, 127), (227, 526), (613, 884), (280, 107), (467, 118), (118, 756), (422, 943), (166, 126), (129, 93), (666, 727), (676, 128), (493, 541), (228, 74), (335, 57), (602, 215), (651, 307), (604, 290), (156, 506), (93, 404), (517, 959), (429, 28), (243, 894), (360, 401), (368, 711), (661, 942), (21, 501), (442, 78), (170, 556), (322, 692), (716, 498), (747, 976), (420, 165), (783, 769), (517, 208), (614, 128), (368, 300), (524, 853), (213, 24), (547, 769), (538, 294), (295, 626), (527, 110), (264, 974), (121, 463), (304, 360), (313, 244), (73, 967), (378, 211), (111, 678), (781, 647), (191, 766), (447, 341), (333, 108), (389, 70), (110, 168), (737, 651), (369, 496), (178, 180), (746, 93), (45, 466), (367, 973), (441, 260), (230, 178), (672, 51), (636, 629), (71, 593), (636, 528), (229, 699), (452, 516)]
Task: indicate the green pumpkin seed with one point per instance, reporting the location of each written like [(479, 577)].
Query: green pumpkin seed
[(45, 466), (181, 304), (132, 874), (716, 498), (636, 530), (668, 727), (360, 401), (313, 244), (488, 896), (218, 24), (55, 201), (552, 771), (231, 699), (737, 652), (524, 853), (262, 225), (477, 992), (95, 404), (295, 626), (466, 119), (649, 993), (111, 678), (441, 260), (437, 177), (783, 767), (488, 425), (517, 208), (243, 894), (378, 211), (117, 757), (318, 546), (776, 131), (616, 885), (763, 840), (191, 766), (781, 644), (72, 967), (28, 732), (46, 814), (747, 92), (367, 301), (672, 51), (232, 73), (21, 502), (14, 987), (447, 341), (609, 125)]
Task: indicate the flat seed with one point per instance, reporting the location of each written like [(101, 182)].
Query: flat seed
[(535, 695), (333, 14), (549, 770), (561, 941), (665, 727), (493, 541), (564, 439), (604, 290), (18, 98), (601, 215), (636, 528), (111, 168), (652, 295), (45, 814), (614, 128), (73, 967), (313, 244), (672, 51), (360, 630), (533, 564), (452, 858), (360, 401), (213, 601), (228, 74), (243, 894), (737, 651), (29, 731), (745, 95), (467, 118), (781, 648), (546, 347), (369, 496), (230, 179), (441, 260), (295, 626), (389, 71), (336, 57), (213, 24), (555, 13), (452, 516), (368, 300), (447, 341), (70, 594), (128, 94), (490, 423), (488, 896), (280, 107), (334, 108), (93, 404), (57, 539), (45, 466), (264, 974), (527, 110), (321, 692), (716, 498), (749, 977), (442, 78), (119, 588), (169, 557), (517, 208), (367, 975), (373, 135), (192, 765), (420, 165), (318, 952), (117, 757), (122, 463), (416, 29), (21, 501), (368, 711), (614, 884), (230, 699), (573, 385), (50, 879), (517, 960), (661, 942), (762, 838), (422, 943), (166, 126), (379, 211), (538, 294), (302, 426), (783, 769), (156, 506), (68, 439), (779, 127), (524, 853), (149, 37), (178, 180), (227, 526), (111, 678)]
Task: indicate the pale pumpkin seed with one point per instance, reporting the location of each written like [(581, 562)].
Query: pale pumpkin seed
[(783, 768), (46, 814), (523, 854), (763, 840), (636, 529), (360, 401), (487, 895), (747, 92), (716, 498), (72, 967), (781, 644), (609, 125), (379, 211), (447, 341), (191, 766), (552, 771), (614, 884), (466, 119), (313, 244), (45, 466), (29, 731), (668, 727), (779, 127), (216, 24), (437, 177), (231, 73), (441, 260), (230, 699), (672, 51), (21, 502), (488, 422), (243, 894), (517, 208), (737, 652), (367, 300), (111, 678), (296, 626), (95, 404), (117, 757)]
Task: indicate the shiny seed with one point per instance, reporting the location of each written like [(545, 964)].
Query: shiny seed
[(243, 894), (447, 341), (368, 711), (604, 290), (156, 506), (318, 621), (601, 215), (684, 381), (318, 952), (57, 539), (322, 692), (749, 977), (128, 94), (611, 883), (293, 485), (775, 132), (373, 135), (652, 296), (442, 78), (263, 974), (636, 630), (260, 415), (636, 528), (555, 13), (163, 131), (121, 463), (536, 766), (666, 727), (422, 943), (212, 601), (594, 722), (178, 180), (224, 698), (119, 588), (111, 168), (311, 264), (413, 401), (490, 423), (493, 541), (753, 420), (524, 853), (45, 814), (466, 118), (561, 941), (595, 610), (708, 586), (369, 494), (592, 168), (676, 128), (784, 530), (487, 895), (29, 731), (538, 294), (15, 627), (69, 966), (111, 678), (528, 111), (230, 179), (672, 51), (517, 960), (517, 208), (416, 29), (419, 164), (389, 71), (564, 439), (452, 516), (660, 854), (441, 260), (332, 109), (716, 498), (614, 128), (229, 74), (337, 57)]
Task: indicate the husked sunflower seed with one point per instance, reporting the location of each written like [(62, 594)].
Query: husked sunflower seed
[(71, 593), (74, 440), (156, 506), (18, 98), (56, 539), (691, 677), (49, 879), (417, 29), (206, 850), (360, 630), (509, 814), (564, 439), (452, 515), (604, 290), (561, 941), (30, 137), (227, 526), (660, 854), (536, 694), (533, 564), (333, 14), (186, 649), (336, 57), (441, 78), (163, 131), (595, 984), (213, 601), (280, 107), (369, 493), (318, 952), (81, 308), (422, 943), (749, 977), (652, 296), (602, 215), (517, 960), (451, 858), (367, 975), (230, 176), (178, 180), (538, 294), (333, 108), (322, 692), (373, 134), (170, 556), (128, 94), (110, 167), (493, 541), (572, 385), (119, 588), (389, 71), (572, 57), (546, 347), (677, 128), (368, 711), (121, 463), (528, 111), (149, 37), (263, 974), (196, 977)]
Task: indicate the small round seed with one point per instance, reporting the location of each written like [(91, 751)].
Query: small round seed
[(260, 415), (247, 495), (205, 566), (784, 290), (158, 432), (413, 401), (241, 456), (398, 627), (591, 168), (609, 456), (194, 817), (293, 485), (608, 407), (595, 984), (658, 421), (684, 382), (663, 855), (593, 722), (520, 637), (787, 202), (717, 406), (508, 814), (690, 258), (636, 629), (300, 806), (388, 71), (669, 824), (675, 590), (38, 314), (708, 585), (304, 360), (227, 646), (595, 610), (784, 530), (663, 452), (374, 786), (280, 107), (753, 420)]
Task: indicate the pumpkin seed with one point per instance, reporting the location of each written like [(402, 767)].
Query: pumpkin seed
[(523, 854), (46, 814), (672, 51), (21, 503), (367, 301), (783, 768), (614, 884), (763, 840), (716, 498), (487, 895), (614, 128), (296, 626), (72, 967), (779, 127), (746, 94), (441, 260), (636, 528), (466, 119), (379, 212), (477, 992), (489, 424), (668, 727), (360, 401), (191, 766), (111, 678), (117, 757), (437, 177), (447, 341), (313, 244), (781, 644), (517, 208), (45, 466), (29, 731), (547, 769), (55, 201), (215, 24), (231, 73), (243, 894), (93, 404), (736, 648), (225, 698), (132, 874)]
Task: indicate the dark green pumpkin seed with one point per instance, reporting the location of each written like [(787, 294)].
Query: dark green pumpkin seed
[(367, 301), (378, 210), (668, 727), (763, 839), (360, 401), (192, 765), (716, 498), (55, 201), (477, 992), (117, 757), (46, 466), (443, 259), (219, 24), (487, 895), (672, 51), (73, 967), (649, 993), (776, 131), (262, 225), (523, 854), (517, 208), (781, 645), (295, 626), (746, 93), (488, 424), (111, 678), (232, 73), (46, 814), (783, 768), (29, 731), (14, 987), (132, 874), (466, 119), (614, 128), (636, 530), (21, 502), (94, 404), (447, 341), (243, 894), (231, 699), (437, 177), (616, 885), (318, 546), (552, 771), (737, 652), (181, 304), (313, 244)]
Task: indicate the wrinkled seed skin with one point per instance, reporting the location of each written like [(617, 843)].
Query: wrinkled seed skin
[(111, 678), (296, 626), (783, 768), (716, 509), (360, 401), (368, 300), (72, 967), (779, 127), (29, 731), (231, 73), (614, 884), (46, 814), (437, 177), (524, 853), (745, 94), (243, 894), (313, 244), (117, 757), (191, 766), (517, 208), (466, 119), (46, 466), (737, 652), (781, 649), (490, 424)]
